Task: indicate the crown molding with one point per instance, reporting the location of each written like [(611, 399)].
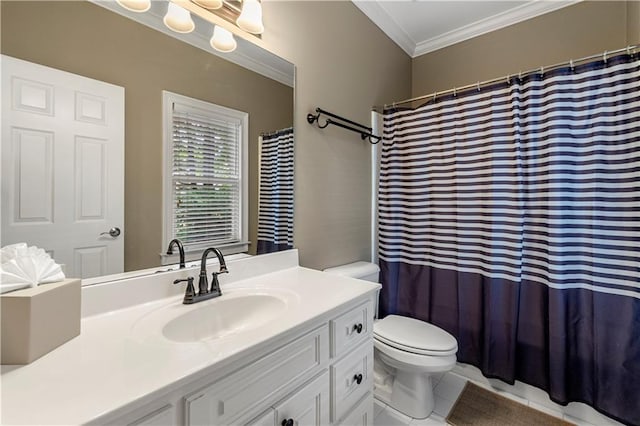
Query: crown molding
[(387, 24), (496, 22)]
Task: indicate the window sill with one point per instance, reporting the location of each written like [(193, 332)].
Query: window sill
[(195, 254)]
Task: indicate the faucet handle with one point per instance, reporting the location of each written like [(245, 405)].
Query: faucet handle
[(215, 285), (190, 292)]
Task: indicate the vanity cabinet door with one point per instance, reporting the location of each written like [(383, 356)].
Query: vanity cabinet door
[(258, 385), (307, 407), (351, 379), (350, 329)]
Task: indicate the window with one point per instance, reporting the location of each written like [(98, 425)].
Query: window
[(205, 175)]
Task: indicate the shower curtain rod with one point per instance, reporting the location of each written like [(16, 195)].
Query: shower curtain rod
[(507, 78), (364, 131), (275, 132)]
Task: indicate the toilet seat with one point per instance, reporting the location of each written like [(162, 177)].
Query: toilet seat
[(414, 336), (415, 363)]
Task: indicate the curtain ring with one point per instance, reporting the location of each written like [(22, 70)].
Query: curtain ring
[(434, 96), (604, 57), (508, 80), (571, 64), (520, 75), (454, 92), (541, 71), (478, 86)]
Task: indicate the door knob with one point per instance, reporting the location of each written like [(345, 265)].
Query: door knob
[(114, 232)]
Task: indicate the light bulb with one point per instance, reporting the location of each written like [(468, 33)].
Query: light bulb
[(135, 5), (209, 4), (222, 40), (178, 19), (250, 18)]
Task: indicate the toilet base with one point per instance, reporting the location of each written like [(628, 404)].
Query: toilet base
[(401, 395), (406, 387), (408, 392)]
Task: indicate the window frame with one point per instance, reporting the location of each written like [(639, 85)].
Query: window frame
[(192, 252)]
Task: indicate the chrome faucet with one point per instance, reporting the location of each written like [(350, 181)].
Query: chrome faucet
[(204, 292), (178, 243), (203, 284)]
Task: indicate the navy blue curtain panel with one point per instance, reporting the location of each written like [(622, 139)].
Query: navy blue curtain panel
[(275, 214), (510, 217)]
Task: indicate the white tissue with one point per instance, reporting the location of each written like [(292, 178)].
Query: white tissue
[(23, 266)]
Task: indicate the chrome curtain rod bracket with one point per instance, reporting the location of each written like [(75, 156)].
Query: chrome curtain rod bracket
[(366, 133)]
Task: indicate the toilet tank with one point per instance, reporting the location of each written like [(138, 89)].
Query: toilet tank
[(361, 270)]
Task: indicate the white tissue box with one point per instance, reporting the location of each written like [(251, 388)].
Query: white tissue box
[(39, 319)]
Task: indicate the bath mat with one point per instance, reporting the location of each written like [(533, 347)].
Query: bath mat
[(480, 407)]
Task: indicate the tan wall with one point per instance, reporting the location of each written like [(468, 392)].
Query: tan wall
[(344, 64), (633, 22), (576, 31), (85, 39)]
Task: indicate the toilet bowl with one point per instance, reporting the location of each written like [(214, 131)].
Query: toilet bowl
[(407, 353)]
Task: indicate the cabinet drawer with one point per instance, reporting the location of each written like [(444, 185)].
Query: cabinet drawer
[(251, 387), (308, 406), (351, 328), (362, 414), (345, 375)]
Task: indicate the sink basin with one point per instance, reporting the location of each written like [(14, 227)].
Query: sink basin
[(224, 316), (237, 311)]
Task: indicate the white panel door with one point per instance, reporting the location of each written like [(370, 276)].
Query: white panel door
[(63, 166)]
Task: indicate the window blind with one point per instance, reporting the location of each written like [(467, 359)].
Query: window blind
[(206, 177)]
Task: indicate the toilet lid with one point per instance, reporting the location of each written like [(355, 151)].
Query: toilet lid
[(414, 336)]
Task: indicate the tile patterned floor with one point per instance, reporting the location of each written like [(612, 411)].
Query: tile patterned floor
[(448, 387)]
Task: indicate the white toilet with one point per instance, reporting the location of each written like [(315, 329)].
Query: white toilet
[(407, 353)]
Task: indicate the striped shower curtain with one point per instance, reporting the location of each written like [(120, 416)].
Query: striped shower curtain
[(510, 217), (275, 215)]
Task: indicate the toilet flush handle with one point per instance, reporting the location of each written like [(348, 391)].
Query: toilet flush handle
[(358, 378), (357, 328)]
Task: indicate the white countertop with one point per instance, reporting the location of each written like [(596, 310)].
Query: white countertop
[(117, 361)]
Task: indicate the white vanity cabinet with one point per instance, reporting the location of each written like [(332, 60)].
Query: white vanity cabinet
[(253, 388), (339, 355), (351, 369), (324, 376)]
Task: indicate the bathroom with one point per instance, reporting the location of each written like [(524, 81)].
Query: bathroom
[(345, 63)]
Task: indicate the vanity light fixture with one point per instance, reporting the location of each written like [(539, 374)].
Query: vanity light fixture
[(178, 19), (223, 40), (250, 18), (135, 5), (209, 4)]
